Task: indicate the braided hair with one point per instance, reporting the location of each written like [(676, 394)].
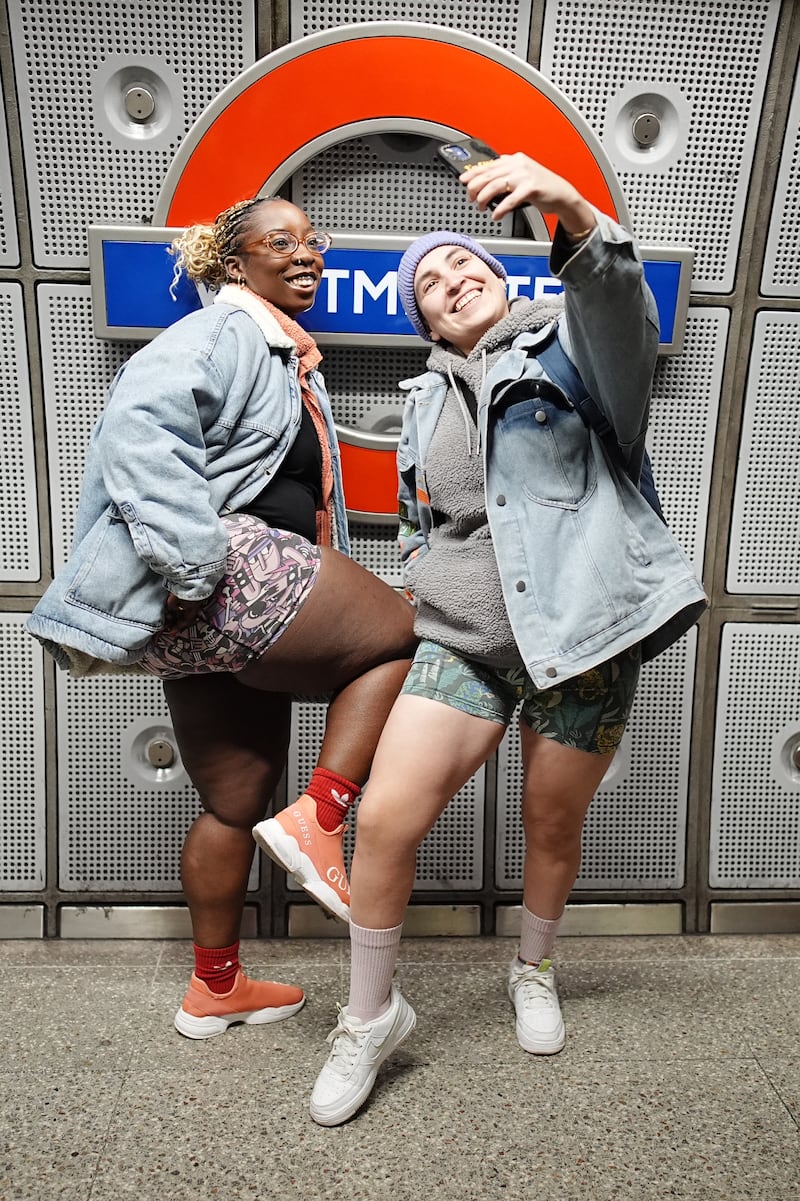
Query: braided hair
[(201, 250)]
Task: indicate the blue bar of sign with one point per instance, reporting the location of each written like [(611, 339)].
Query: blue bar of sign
[(138, 276), (358, 294)]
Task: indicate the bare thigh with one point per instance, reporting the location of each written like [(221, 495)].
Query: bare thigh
[(426, 753), (559, 783), (233, 741), (350, 622)]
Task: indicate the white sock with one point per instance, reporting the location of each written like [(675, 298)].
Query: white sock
[(373, 956), (537, 937)]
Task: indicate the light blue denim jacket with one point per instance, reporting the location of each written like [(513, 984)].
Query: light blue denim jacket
[(196, 424), (587, 568)]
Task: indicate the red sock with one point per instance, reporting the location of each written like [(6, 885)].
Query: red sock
[(334, 796), (217, 966)]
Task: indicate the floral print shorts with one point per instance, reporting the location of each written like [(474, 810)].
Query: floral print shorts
[(588, 712), (268, 575)]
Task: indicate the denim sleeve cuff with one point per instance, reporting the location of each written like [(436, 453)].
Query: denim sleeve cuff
[(580, 260)]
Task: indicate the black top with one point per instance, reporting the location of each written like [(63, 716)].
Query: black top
[(290, 500)]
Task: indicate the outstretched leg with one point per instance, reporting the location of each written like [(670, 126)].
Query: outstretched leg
[(233, 743), (427, 752), (558, 785), (353, 636)]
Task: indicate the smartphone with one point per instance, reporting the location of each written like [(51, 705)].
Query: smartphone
[(463, 156)]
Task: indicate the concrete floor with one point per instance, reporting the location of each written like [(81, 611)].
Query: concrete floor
[(680, 1078)]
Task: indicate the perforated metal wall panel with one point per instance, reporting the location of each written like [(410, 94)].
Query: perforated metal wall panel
[(362, 384), (450, 858), (77, 369), (765, 531), (90, 157), (387, 183), (634, 835), (375, 547), (121, 822), (699, 67), (19, 517), (683, 424), (9, 242), (755, 801), (781, 275), (506, 25), (22, 758)]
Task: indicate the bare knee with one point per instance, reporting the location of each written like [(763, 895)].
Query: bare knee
[(557, 835), (240, 804), (383, 830)]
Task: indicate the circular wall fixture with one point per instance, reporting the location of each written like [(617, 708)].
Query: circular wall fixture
[(786, 757), (647, 127), (138, 102), (150, 755)]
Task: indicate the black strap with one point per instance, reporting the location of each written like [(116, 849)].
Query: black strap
[(563, 372)]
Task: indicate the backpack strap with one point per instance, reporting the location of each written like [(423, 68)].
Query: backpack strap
[(563, 372)]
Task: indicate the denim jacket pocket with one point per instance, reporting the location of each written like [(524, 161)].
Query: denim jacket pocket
[(546, 447), (107, 556)]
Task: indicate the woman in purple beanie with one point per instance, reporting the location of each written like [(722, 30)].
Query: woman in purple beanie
[(540, 575)]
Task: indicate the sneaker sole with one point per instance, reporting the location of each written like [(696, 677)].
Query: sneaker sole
[(545, 1047), (284, 850), (326, 1116), (194, 1027)]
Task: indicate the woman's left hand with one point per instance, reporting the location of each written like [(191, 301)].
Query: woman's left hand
[(179, 614)]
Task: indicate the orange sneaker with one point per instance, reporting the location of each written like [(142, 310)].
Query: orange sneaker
[(205, 1013), (312, 856)]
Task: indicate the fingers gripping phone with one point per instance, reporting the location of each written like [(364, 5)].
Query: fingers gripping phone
[(466, 154)]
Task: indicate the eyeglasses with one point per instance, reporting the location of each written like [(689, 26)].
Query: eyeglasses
[(282, 242)]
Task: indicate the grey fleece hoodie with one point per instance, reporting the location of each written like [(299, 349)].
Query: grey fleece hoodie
[(457, 584)]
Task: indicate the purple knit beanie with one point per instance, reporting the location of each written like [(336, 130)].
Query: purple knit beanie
[(414, 256)]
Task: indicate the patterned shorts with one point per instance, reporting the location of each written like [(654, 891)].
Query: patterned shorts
[(268, 575), (588, 712)]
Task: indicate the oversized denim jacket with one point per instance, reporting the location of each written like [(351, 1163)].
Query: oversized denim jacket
[(587, 568), (196, 424)]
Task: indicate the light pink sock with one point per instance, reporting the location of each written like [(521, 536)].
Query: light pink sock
[(538, 936), (373, 955)]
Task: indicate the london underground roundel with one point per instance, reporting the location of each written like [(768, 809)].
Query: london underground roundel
[(378, 77), (386, 75)]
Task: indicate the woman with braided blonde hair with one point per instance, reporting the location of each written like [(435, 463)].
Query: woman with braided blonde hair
[(211, 550)]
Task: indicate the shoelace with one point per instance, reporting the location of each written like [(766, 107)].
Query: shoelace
[(534, 989), (345, 1042)]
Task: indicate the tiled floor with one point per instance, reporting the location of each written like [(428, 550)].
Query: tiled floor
[(680, 1078)]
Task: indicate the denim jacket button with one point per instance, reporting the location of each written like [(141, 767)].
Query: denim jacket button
[(501, 500), (540, 416), (550, 672), (520, 585)]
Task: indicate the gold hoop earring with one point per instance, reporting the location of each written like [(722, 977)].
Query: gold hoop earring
[(241, 281)]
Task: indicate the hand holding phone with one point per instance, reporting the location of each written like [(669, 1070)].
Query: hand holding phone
[(466, 154)]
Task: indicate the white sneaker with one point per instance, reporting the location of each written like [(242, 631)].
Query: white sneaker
[(357, 1051), (540, 1028)]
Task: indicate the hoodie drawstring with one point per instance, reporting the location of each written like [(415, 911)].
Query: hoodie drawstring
[(468, 422)]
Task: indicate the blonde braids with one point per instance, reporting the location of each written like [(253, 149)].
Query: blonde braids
[(201, 250)]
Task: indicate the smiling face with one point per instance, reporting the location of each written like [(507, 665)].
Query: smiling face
[(289, 281), (459, 296)]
